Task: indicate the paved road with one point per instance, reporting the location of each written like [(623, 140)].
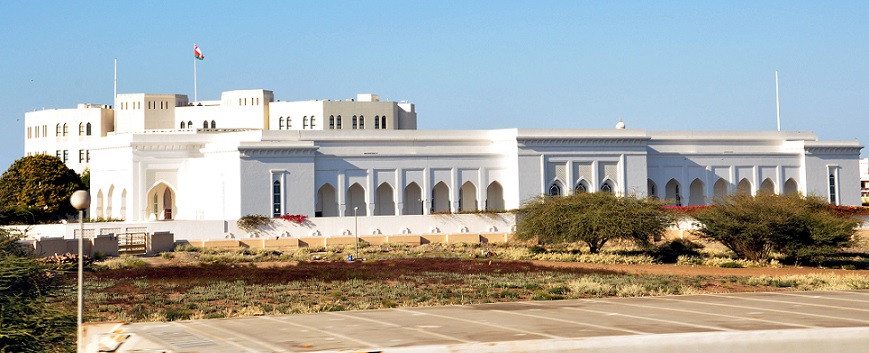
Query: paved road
[(793, 322)]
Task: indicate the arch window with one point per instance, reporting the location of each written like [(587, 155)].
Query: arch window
[(581, 187), (376, 122), (607, 187), (834, 194), (289, 122), (281, 123), (312, 122), (65, 129), (57, 130), (355, 121), (338, 124), (190, 124), (304, 123), (276, 198), (362, 122), (183, 125), (555, 189), (81, 129), (331, 122), (383, 122), (88, 129), (213, 124)]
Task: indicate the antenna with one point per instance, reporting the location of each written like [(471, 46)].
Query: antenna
[(777, 106)]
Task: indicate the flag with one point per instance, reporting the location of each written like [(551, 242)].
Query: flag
[(198, 53)]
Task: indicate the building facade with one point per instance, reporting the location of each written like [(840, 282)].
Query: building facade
[(247, 154)]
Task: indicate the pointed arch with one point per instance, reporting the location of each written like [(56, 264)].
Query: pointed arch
[(413, 201), (100, 212), (608, 186), (673, 193), (213, 124), (88, 129), (327, 202), (109, 196), (555, 189), (183, 125), (581, 187), (697, 193), (743, 187), (767, 186), (791, 187), (161, 201), (720, 188), (123, 213), (385, 200), (356, 199), (495, 197), (205, 124), (440, 198), (468, 197), (651, 188)]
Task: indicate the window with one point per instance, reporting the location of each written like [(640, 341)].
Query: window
[(57, 130), (65, 156), (183, 125), (189, 124), (213, 124), (80, 156), (331, 123), (339, 122), (580, 188), (834, 195), (606, 187), (304, 122), (376, 122), (57, 153), (88, 129), (361, 122), (289, 122), (87, 156), (65, 129), (555, 190), (281, 123), (383, 122), (312, 122), (81, 129), (276, 198), (205, 124), (355, 121)]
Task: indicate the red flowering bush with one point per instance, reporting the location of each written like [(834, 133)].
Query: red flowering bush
[(848, 211), (294, 218)]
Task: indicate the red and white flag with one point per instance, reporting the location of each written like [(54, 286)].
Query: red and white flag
[(197, 52)]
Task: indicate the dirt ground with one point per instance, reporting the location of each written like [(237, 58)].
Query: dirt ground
[(658, 269)]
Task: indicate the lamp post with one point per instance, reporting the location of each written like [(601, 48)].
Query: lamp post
[(80, 200), (356, 231)]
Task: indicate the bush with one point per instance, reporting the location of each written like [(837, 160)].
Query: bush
[(753, 227), (592, 218), (252, 222)]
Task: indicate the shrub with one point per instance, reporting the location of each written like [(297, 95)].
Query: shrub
[(592, 218), (252, 222), (801, 228)]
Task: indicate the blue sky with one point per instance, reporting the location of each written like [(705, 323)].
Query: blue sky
[(666, 65)]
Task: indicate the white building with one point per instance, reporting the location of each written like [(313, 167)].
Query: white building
[(169, 159)]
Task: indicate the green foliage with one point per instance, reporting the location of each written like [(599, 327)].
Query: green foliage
[(27, 322), (85, 177), (252, 222), (753, 227), (36, 189), (592, 218)]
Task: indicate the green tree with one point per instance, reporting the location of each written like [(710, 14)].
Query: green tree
[(592, 218), (753, 227), (28, 323), (37, 189)]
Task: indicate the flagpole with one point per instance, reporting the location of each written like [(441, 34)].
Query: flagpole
[(777, 109), (196, 97)]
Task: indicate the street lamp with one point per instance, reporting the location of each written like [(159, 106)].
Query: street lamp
[(80, 200), (356, 231)]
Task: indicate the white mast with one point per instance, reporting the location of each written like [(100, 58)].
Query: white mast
[(777, 109), (195, 97)]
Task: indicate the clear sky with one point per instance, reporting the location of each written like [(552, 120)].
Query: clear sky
[(660, 65)]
